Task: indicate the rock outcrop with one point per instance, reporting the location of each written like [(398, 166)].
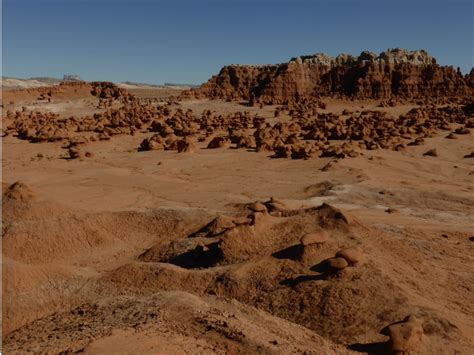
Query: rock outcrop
[(393, 73), (406, 337)]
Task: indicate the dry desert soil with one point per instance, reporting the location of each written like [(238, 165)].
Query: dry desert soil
[(130, 239)]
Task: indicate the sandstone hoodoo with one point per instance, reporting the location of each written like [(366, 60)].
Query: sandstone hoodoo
[(353, 255), (310, 133), (258, 207), (406, 337), (337, 264), (395, 73), (217, 142), (431, 153), (312, 245), (315, 238), (185, 145)]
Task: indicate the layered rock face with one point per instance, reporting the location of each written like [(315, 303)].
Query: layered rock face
[(395, 73)]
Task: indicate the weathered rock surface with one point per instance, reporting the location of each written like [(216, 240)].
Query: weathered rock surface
[(406, 337), (393, 73), (320, 237), (353, 255)]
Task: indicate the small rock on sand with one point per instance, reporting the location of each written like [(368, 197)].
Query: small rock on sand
[(315, 238), (353, 255), (336, 264)]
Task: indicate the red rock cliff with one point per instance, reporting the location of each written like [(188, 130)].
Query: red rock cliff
[(393, 73)]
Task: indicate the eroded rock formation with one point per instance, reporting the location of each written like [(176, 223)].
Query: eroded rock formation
[(393, 73)]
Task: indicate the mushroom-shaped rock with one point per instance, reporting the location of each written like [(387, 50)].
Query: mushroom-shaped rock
[(217, 142), (275, 205), (462, 130), (217, 226), (103, 137), (405, 336), (312, 246), (337, 264), (330, 215), (185, 146), (223, 223), (153, 143), (171, 143), (353, 255), (241, 220), (258, 207), (78, 140), (320, 237), (431, 153), (276, 200), (75, 153), (257, 218)]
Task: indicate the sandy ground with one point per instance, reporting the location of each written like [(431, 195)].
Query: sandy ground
[(76, 278), (14, 84)]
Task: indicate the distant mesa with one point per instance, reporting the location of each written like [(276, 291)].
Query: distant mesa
[(394, 73), (179, 85), (9, 83), (71, 77), (138, 85)]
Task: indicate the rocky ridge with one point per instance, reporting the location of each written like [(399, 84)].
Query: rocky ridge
[(395, 73)]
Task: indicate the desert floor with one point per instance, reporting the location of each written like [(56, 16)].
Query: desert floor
[(116, 253)]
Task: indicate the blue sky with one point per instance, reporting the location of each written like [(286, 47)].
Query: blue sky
[(185, 41)]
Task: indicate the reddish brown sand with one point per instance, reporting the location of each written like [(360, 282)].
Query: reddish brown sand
[(116, 253)]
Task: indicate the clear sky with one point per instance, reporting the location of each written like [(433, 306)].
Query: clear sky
[(185, 41)]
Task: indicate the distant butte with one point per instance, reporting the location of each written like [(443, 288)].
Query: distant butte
[(393, 74)]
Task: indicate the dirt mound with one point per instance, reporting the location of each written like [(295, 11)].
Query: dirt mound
[(229, 240), (349, 308), (179, 321), (39, 290), (63, 232), (19, 191), (288, 266), (41, 239)]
